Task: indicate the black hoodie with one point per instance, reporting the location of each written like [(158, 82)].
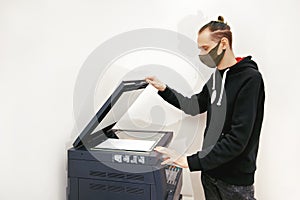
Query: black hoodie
[(234, 119)]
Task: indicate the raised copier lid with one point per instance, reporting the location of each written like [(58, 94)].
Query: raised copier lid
[(112, 110)]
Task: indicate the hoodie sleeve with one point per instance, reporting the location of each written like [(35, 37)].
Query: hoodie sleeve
[(234, 142), (196, 104)]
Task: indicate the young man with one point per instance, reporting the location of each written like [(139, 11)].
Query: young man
[(233, 98)]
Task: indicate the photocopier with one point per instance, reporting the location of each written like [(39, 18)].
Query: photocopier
[(111, 164)]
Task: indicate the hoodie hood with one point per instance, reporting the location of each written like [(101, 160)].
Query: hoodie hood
[(242, 64)]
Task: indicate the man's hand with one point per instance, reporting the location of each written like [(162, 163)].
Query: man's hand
[(156, 83), (172, 157)]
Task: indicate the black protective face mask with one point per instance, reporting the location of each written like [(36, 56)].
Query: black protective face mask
[(212, 59)]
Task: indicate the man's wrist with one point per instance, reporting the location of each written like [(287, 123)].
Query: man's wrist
[(163, 88), (185, 162), (182, 162)]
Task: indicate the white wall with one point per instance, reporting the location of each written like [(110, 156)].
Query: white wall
[(43, 45)]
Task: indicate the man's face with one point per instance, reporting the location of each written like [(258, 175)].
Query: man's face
[(205, 43)]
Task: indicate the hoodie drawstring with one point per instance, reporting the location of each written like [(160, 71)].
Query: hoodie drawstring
[(213, 93), (222, 87)]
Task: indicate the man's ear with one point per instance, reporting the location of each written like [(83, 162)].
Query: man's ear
[(224, 43)]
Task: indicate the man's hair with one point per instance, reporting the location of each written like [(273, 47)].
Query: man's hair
[(219, 30)]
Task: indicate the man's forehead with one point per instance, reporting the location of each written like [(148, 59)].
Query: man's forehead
[(204, 38)]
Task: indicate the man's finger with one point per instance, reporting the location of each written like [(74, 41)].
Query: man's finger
[(167, 162), (150, 78), (166, 158), (151, 82), (160, 149)]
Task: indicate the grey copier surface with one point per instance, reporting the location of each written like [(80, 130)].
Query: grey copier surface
[(106, 163)]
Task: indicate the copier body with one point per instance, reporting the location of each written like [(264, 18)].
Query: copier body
[(107, 173)]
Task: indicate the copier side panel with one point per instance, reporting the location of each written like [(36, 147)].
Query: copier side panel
[(72, 188), (159, 189), (99, 170), (90, 189)]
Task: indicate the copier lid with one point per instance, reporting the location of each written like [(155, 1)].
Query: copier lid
[(113, 109)]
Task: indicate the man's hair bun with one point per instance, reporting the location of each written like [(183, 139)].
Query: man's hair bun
[(218, 29), (221, 19)]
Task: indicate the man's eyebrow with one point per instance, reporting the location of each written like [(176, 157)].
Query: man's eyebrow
[(205, 45)]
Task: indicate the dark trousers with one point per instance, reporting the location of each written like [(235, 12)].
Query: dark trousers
[(215, 189)]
